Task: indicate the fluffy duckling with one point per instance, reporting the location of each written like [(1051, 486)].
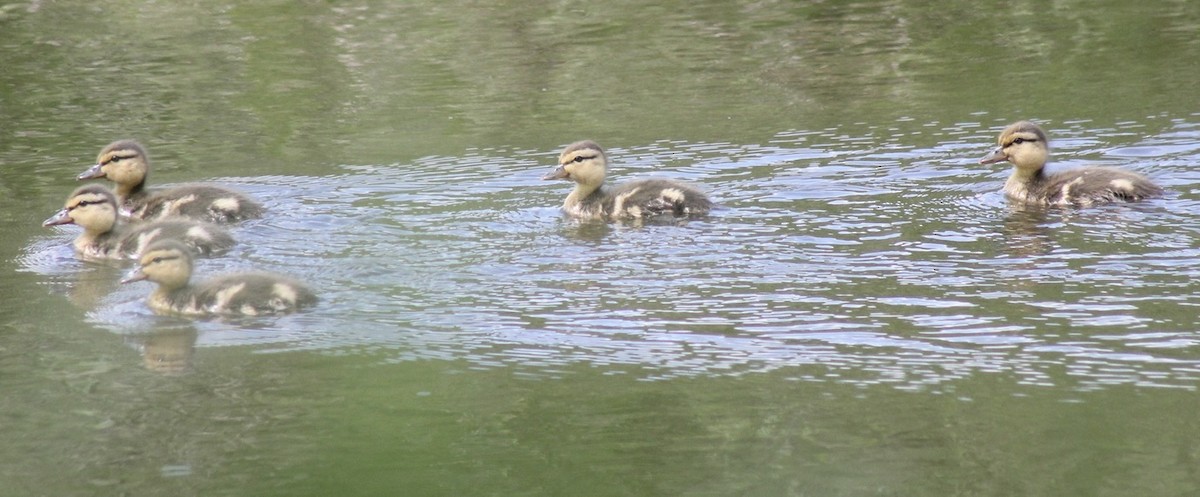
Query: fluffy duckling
[(1024, 144), (585, 163), (125, 163), (94, 208), (169, 263)]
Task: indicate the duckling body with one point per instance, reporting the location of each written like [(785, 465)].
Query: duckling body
[(126, 164), (586, 164), (105, 236), (1025, 145), (169, 264)]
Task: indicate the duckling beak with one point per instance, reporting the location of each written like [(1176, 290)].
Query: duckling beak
[(996, 155), (559, 172), (135, 275), (91, 173), (61, 217)]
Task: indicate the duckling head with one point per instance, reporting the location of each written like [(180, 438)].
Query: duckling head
[(1022, 143), (582, 162), (92, 207), (166, 262), (123, 162)]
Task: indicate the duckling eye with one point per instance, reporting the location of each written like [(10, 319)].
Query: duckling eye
[(579, 158), (156, 260), (113, 159)]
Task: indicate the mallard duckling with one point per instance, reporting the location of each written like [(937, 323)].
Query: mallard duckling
[(585, 163), (94, 208), (169, 263), (1024, 144), (125, 163)]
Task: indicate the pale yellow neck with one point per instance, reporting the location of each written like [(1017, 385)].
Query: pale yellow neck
[(1020, 182), (124, 191), (580, 192), (83, 243)]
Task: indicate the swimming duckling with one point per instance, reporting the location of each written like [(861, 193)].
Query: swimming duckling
[(585, 163), (125, 163), (169, 263), (94, 208), (1024, 144)]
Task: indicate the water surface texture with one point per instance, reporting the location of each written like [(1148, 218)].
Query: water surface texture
[(865, 314)]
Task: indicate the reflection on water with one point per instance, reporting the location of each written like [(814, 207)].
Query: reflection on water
[(857, 251), (167, 351), (472, 341)]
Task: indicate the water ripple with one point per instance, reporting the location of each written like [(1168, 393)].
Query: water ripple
[(861, 252)]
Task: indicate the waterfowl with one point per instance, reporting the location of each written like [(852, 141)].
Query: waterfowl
[(105, 236), (585, 163), (1024, 144), (126, 164), (169, 264)]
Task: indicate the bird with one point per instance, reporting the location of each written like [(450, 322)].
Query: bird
[(106, 236), (169, 264), (585, 163), (125, 163), (1025, 145)]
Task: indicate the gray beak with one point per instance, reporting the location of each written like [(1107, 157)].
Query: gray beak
[(92, 172), (135, 275), (996, 155), (61, 217), (559, 172)]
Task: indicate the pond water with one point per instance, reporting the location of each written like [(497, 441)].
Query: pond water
[(865, 314)]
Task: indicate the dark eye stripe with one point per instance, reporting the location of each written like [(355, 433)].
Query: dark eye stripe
[(84, 203), (114, 159)]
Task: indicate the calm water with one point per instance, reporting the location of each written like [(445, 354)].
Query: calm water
[(865, 314)]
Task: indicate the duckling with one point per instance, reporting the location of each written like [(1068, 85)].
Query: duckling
[(94, 208), (1024, 144), (169, 263), (585, 163), (125, 163)]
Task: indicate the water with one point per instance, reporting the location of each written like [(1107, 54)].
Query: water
[(865, 314), (887, 259)]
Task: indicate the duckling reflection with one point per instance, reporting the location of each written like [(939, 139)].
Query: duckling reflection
[(586, 164), (1026, 233), (93, 284), (126, 164), (169, 264), (587, 234), (105, 236), (168, 351), (1025, 145)]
